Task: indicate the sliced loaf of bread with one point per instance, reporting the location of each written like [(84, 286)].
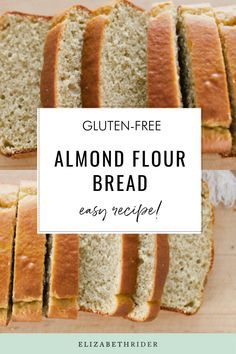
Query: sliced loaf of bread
[(191, 258), (226, 19), (8, 204), (107, 274), (203, 71), (163, 88), (60, 79), (114, 57), (153, 264), (29, 257), (21, 47), (62, 276)]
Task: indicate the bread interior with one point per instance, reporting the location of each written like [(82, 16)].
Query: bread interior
[(123, 58), (100, 272), (191, 258), (21, 48), (69, 58), (145, 277)]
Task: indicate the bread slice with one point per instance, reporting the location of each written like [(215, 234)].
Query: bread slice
[(29, 258), (60, 79), (216, 140), (108, 271), (153, 252), (226, 19), (163, 88), (8, 204), (191, 258), (114, 57), (203, 70), (63, 269), (21, 47)]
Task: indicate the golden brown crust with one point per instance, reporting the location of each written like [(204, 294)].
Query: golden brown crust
[(161, 268), (91, 55), (65, 261), (128, 3), (124, 305), (7, 225), (63, 287), (90, 63), (63, 308), (65, 13), (24, 14), (128, 274), (228, 37), (226, 19), (48, 88), (129, 264), (216, 141), (19, 154), (27, 312), (8, 203), (160, 274), (3, 317), (162, 73), (208, 71), (29, 257), (102, 10)]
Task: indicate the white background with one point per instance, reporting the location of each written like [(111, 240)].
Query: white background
[(63, 191)]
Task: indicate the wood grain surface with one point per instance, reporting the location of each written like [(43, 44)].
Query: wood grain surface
[(47, 7), (217, 314)]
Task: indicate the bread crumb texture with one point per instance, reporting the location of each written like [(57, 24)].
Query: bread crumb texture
[(123, 58), (69, 58), (100, 272), (21, 48), (145, 276), (191, 257)]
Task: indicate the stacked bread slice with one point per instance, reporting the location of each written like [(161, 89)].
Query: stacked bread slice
[(114, 57), (62, 275), (60, 78), (127, 275), (226, 19), (29, 256), (191, 258), (153, 266), (163, 86), (203, 75), (21, 47), (108, 272), (8, 204), (130, 57)]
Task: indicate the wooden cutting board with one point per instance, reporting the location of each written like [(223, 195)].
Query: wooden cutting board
[(217, 314)]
